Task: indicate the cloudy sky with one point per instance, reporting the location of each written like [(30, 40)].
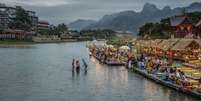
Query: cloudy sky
[(58, 11)]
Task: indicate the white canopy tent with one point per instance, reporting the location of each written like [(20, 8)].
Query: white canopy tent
[(124, 48), (109, 46), (99, 44)]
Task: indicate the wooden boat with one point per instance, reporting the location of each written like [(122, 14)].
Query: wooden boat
[(167, 84), (192, 65), (110, 63), (114, 63)]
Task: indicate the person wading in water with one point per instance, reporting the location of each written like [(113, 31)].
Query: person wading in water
[(77, 66), (73, 64), (85, 64)]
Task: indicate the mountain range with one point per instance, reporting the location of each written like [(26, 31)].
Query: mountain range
[(131, 21), (80, 24)]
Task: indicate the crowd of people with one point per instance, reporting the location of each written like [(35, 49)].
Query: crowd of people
[(109, 55), (163, 68)]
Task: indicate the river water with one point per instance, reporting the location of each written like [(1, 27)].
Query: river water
[(43, 73)]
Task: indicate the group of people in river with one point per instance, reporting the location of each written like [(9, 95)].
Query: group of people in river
[(76, 65)]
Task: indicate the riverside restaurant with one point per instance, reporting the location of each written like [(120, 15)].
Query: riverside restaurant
[(175, 63)]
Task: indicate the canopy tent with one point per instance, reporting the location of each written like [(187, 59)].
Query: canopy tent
[(99, 44)]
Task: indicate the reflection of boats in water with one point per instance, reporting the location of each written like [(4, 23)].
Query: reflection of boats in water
[(114, 63), (90, 54)]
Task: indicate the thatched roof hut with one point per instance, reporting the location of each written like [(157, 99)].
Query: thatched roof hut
[(155, 43), (148, 43), (167, 44), (186, 44)]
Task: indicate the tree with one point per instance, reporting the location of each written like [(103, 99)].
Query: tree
[(21, 20), (184, 11), (155, 30), (55, 30), (145, 29), (98, 34), (62, 29)]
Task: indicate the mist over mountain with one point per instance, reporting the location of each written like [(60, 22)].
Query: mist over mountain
[(80, 24), (131, 20)]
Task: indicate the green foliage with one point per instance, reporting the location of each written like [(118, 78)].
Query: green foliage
[(61, 29), (116, 41), (55, 30), (194, 17), (155, 30), (163, 29), (98, 34), (144, 30), (22, 20)]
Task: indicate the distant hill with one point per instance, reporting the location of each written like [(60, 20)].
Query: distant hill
[(131, 20), (80, 24)]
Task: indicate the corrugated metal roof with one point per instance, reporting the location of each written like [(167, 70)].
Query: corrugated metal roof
[(176, 20)]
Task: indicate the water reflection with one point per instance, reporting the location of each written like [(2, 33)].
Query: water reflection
[(73, 73), (156, 92), (85, 72)]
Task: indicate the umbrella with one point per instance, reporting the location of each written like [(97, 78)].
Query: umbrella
[(124, 48), (110, 46)]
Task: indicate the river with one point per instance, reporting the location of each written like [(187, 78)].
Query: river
[(43, 73)]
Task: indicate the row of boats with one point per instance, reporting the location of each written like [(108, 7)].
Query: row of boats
[(108, 62), (151, 76), (167, 83)]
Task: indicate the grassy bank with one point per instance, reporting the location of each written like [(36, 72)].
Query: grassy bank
[(10, 42)]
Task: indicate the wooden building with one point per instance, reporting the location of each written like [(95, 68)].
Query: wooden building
[(182, 26), (16, 35), (198, 29)]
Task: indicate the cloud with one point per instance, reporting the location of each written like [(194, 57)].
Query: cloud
[(41, 3), (59, 11)]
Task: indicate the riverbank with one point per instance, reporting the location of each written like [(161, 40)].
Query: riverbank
[(28, 44), (24, 42), (16, 42)]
